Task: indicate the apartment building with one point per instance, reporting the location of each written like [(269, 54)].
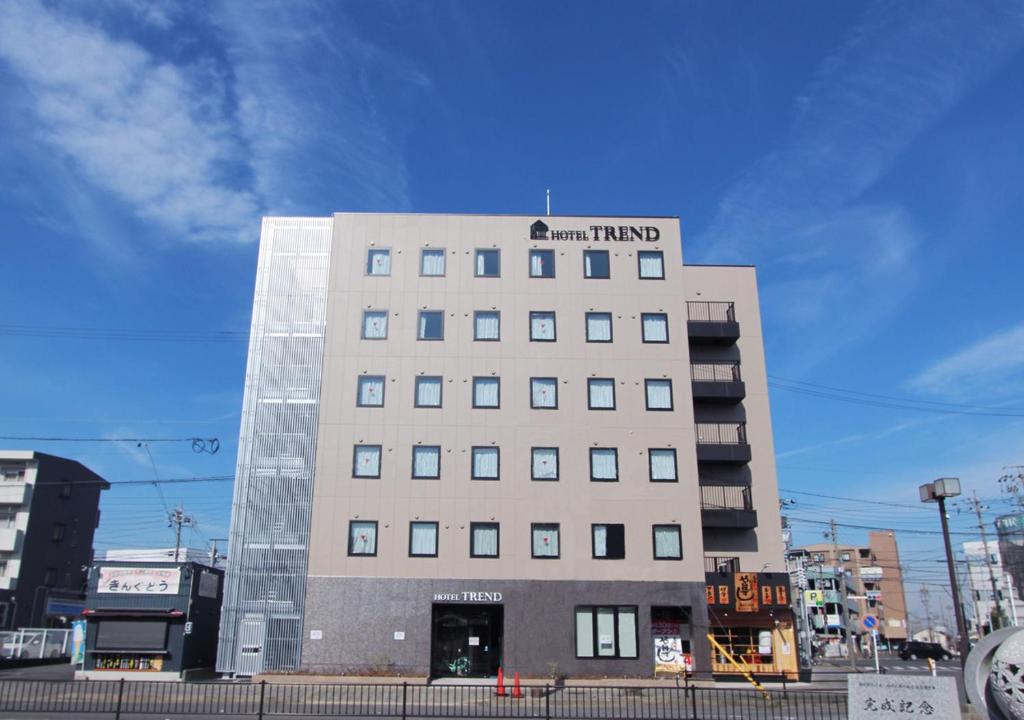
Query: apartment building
[(993, 596), (876, 576), (481, 441), (49, 510)]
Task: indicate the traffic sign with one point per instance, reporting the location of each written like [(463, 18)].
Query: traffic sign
[(870, 622)]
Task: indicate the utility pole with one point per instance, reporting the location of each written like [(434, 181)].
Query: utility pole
[(927, 612), (213, 550), (996, 613), (833, 534), (176, 518)]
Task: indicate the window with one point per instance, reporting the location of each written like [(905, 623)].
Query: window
[(604, 464), (366, 461), (423, 539), (486, 463), (599, 327), (544, 463), (378, 262), (65, 489), (544, 540), (431, 325), (654, 327), (542, 326), (428, 391), (488, 263), (426, 462), (362, 537), (608, 541), (845, 557), (486, 325), (659, 394), (486, 392), (662, 462), (8, 516), (544, 393), (58, 532), (12, 474), (606, 632), (596, 264), (375, 324), (370, 392), (601, 393), (483, 540), (652, 264), (432, 262), (542, 263), (131, 635), (3, 568), (50, 577), (668, 542)]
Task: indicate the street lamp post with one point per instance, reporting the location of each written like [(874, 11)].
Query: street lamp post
[(938, 491)]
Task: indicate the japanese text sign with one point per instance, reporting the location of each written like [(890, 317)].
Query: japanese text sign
[(139, 581), (902, 696)]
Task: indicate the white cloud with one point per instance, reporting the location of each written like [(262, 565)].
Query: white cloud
[(143, 130), (994, 363), (324, 110), (800, 209)]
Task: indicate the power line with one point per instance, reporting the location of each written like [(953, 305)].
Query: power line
[(911, 531), (892, 397), (887, 404), (199, 445), (125, 334)]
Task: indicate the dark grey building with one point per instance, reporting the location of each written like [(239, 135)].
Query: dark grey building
[(151, 619), (49, 510)]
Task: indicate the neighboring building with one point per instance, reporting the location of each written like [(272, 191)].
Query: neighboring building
[(822, 619), (152, 620), (876, 576), (473, 441), (983, 570), (1010, 529), (193, 555), (49, 510)]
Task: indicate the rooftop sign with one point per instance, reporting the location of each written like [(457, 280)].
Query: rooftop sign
[(618, 233)]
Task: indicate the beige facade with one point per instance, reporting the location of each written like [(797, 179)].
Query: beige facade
[(416, 440), (515, 501)]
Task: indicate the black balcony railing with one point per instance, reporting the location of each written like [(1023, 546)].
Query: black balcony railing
[(725, 497), (703, 311), (716, 563), (728, 433), (724, 371)]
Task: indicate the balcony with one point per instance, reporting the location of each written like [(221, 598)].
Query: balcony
[(13, 493), (727, 506), (724, 443), (717, 564), (717, 382), (10, 539), (712, 323)]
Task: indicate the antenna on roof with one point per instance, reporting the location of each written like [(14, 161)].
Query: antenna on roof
[(548, 193)]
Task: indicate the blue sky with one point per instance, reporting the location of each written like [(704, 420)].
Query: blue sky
[(866, 156)]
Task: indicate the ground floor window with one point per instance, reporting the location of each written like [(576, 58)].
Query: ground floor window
[(606, 632), (749, 645)]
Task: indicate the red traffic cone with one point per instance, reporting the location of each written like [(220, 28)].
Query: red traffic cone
[(517, 692), (501, 683)]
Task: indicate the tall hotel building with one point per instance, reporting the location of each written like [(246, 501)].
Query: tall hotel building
[(478, 441)]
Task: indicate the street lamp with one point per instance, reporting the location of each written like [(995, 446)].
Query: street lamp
[(938, 491)]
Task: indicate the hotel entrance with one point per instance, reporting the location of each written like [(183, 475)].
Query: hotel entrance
[(465, 640)]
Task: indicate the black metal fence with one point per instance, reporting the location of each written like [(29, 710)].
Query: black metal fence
[(124, 699)]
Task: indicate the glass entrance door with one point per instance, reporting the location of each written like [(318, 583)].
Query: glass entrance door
[(466, 640)]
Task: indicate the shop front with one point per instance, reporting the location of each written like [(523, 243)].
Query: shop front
[(752, 624), (540, 629), (153, 620)]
